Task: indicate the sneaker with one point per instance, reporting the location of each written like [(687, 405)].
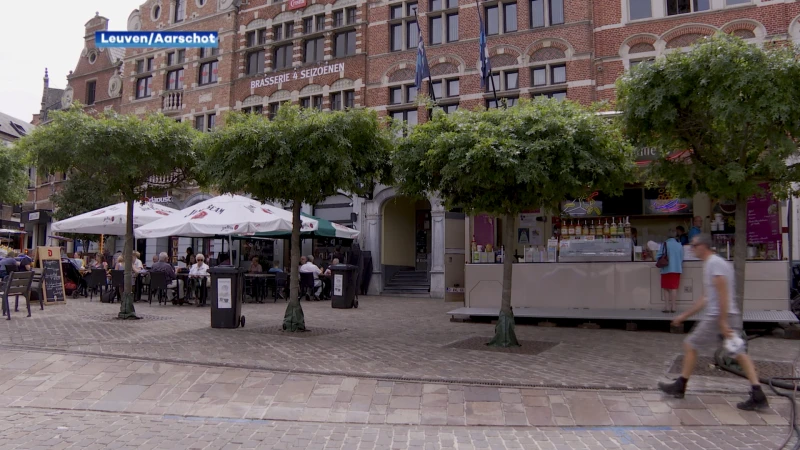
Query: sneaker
[(757, 400), (676, 389)]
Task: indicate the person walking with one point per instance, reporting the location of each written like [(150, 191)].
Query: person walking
[(671, 273), (720, 318)]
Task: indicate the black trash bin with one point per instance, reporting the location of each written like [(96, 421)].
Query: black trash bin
[(343, 286), (227, 286)]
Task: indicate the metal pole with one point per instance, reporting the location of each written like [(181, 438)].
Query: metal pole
[(494, 91)]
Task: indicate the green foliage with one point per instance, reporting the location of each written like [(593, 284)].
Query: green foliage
[(735, 106), (81, 193), (13, 190), (301, 155), (121, 151), (126, 154), (504, 161)]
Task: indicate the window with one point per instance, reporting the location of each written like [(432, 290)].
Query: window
[(314, 24), (509, 17), (558, 95), (273, 109), (211, 121), (314, 50), (636, 62), (208, 72), (345, 44), (403, 31), (492, 18), (449, 108), (257, 109), (255, 62), (144, 87), (344, 17), (445, 88), (342, 100), (504, 81), (409, 116), (149, 65), (548, 75), (208, 52), (640, 9), (139, 66), (180, 10), (256, 37), (548, 12), (737, 2), (283, 31), (91, 88), (507, 101), (282, 58), (402, 94), (443, 27), (315, 101), (175, 79), (675, 7)]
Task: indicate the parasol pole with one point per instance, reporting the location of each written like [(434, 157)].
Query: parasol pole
[(101, 243)]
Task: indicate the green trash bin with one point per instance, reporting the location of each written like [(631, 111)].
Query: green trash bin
[(227, 289), (343, 286)]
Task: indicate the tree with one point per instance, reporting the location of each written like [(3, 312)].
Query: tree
[(731, 110), (81, 193), (300, 156), (125, 153), (505, 161), (13, 172)]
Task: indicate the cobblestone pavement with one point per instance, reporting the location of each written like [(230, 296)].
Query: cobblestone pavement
[(383, 338), (41, 429), (72, 382)]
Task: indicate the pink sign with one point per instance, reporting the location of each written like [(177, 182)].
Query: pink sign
[(484, 229), (296, 4), (763, 220)]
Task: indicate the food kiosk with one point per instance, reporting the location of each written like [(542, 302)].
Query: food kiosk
[(598, 253)]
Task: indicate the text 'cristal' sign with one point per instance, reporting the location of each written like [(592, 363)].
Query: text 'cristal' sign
[(297, 75), (296, 4)]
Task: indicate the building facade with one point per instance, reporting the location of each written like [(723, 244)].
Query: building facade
[(334, 54)]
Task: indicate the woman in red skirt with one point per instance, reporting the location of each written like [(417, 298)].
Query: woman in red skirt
[(671, 274)]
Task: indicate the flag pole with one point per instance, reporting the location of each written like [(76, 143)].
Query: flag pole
[(419, 28), (484, 57)]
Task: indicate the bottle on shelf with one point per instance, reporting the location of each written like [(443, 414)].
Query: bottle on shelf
[(564, 230), (591, 229), (628, 227), (473, 245), (606, 229), (612, 231), (598, 231), (578, 231), (571, 229), (585, 228)]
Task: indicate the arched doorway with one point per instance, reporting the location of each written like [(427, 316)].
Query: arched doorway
[(406, 238)]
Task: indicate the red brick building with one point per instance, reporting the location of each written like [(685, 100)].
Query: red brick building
[(333, 54)]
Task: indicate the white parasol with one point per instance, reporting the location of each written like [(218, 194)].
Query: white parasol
[(111, 220)]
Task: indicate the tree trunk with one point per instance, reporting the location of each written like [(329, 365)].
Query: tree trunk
[(740, 250), (126, 309), (293, 319), (504, 335)]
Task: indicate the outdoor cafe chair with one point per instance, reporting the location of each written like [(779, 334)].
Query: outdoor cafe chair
[(307, 286), (160, 287), (17, 284), (96, 281), (281, 281), (117, 283)]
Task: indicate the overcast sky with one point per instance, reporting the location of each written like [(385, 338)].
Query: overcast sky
[(46, 33)]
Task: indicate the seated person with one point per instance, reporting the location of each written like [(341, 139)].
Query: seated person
[(163, 266), (11, 262), (328, 269), (155, 260), (198, 272), (307, 266), (276, 267), (120, 263), (25, 262), (98, 262), (77, 260), (255, 267)]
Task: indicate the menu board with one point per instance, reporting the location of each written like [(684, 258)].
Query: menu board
[(763, 221), (52, 275)]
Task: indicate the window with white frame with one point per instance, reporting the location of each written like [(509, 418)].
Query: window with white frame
[(442, 89), (314, 24), (343, 100), (205, 122), (403, 30), (676, 7), (180, 11), (314, 49), (256, 37), (283, 31), (505, 83), (255, 109), (399, 95), (546, 13), (548, 75), (443, 21), (635, 62), (344, 44), (640, 9), (500, 18), (409, 116), (344, 17), (314, 101), (558, 95)]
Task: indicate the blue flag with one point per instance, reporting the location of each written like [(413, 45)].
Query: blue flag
[(423, 71), (486, 66)]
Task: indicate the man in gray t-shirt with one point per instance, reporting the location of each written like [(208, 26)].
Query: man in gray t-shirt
[(720, 319)]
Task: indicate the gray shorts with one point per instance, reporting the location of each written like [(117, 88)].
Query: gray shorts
[(706, 333)]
